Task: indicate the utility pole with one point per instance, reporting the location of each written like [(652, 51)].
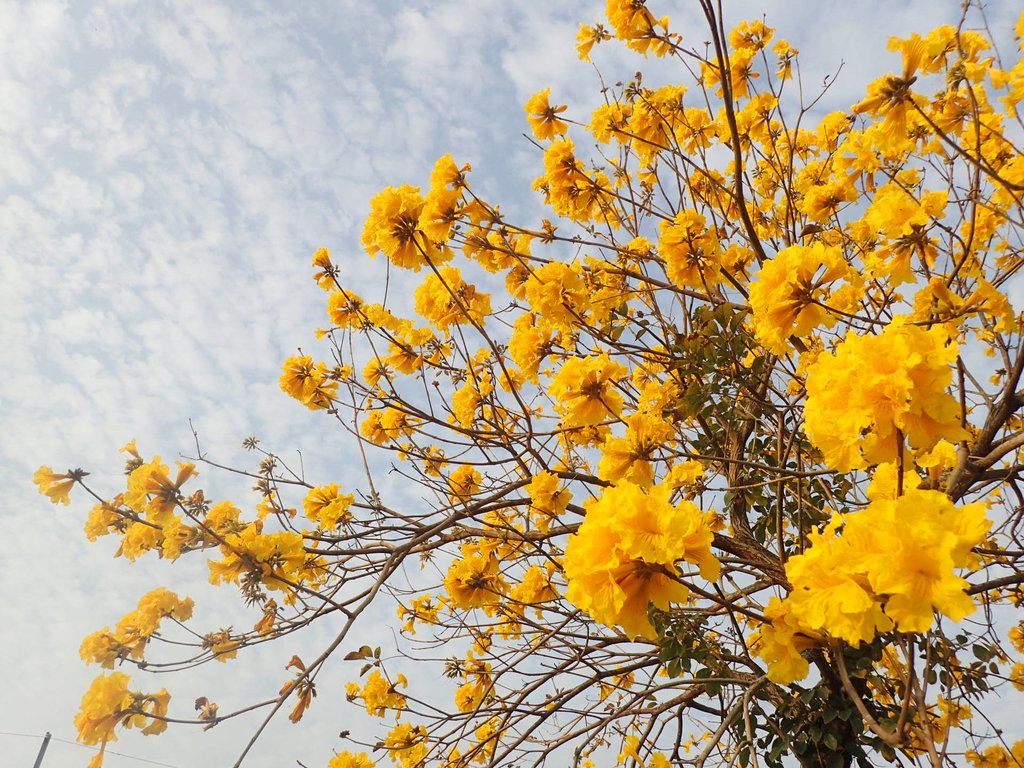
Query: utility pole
[(42, 750)]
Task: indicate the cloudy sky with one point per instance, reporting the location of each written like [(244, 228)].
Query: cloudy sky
[(166, 171)]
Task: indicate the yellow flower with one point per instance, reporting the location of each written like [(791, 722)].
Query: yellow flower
[(686, 473), (821, 202), (222, 519), (470, 695), (351, 760), (548, 499), (571, 192), (406, 745), (393, 228), (691, 251), (536, 585), (529, 345), (155, 707), (1016, 676), (446, 299), (54, 485), (908, 549), (753, 35), (653, 121), (786, 54), (140, 538), (636, 25), (891, 96), (1016, 634), (308, 382), (327, 507), (475, 581), (630, 457), (829, 595), (872, 386), (422, 608), (900, 220), (587, 37), (890, 565), (781, 641), (151, 490), (322, 261), (585, 390), (274, 558), (380, 695), (447, 174), (623, 557), (558, 295), (380, 427), (611, 121), (103, 705), (791, 295), (543, 118), (440, 212), (345, 309), (464, 482)]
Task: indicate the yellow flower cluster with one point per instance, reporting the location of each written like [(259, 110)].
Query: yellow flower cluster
[(636, 25), (572, 191), (997, 756), (445, 299), (624, 555), (151, 490), (585, 390), (308, 382), (383, 426), (557, 293), (548, 499), (889, 566), (327, 506), (475, 580), (478, 686), (632, 457), (276, 559), (422, 608), (351, 760), (393, 228), (379, 694), (535, 586), (464, 481), (630, 755), (407, 745), (411, 229), (793, 293), (108, 703), (132, 633), (691, 251), (875, 390)]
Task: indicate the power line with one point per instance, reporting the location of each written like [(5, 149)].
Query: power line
[(86, 746)]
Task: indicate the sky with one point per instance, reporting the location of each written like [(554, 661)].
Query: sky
[(167, 170)]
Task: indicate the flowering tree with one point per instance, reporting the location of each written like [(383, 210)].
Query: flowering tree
[(724, 471)]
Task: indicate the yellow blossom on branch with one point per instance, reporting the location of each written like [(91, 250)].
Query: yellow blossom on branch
[(57, 486), (543, 117), (625, 554), (891, 565), (585, 390), (874, 391), (328, 507), (794, 291)]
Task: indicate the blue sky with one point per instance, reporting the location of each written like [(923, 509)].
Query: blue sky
[(166, 171)]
